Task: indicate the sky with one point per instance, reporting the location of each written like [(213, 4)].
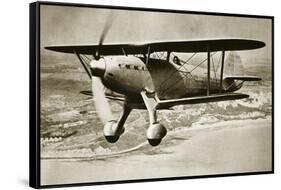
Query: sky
[(62, 25)]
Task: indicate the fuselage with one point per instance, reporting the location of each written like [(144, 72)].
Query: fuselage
[(129, 75)]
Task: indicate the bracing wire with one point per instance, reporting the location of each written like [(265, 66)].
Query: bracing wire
[(189, 73), (185, 62)]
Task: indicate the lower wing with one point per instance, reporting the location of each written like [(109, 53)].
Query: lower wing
[(200, 99)]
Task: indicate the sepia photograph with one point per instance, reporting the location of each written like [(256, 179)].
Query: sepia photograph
[(134, 94)]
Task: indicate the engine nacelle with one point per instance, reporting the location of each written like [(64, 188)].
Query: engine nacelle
[(155, 133), (112, 131)]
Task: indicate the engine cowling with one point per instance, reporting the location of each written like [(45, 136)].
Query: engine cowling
[(155, 133), (112, 131)]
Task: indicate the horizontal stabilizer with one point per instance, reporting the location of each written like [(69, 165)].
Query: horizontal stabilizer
[(243, 78), (201, 99)]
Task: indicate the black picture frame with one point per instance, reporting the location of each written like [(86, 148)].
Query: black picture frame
[(34, 91)]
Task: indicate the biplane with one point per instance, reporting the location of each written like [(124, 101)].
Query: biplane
[(143, 81)]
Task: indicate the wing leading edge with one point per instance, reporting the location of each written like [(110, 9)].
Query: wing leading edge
[(173, 46)]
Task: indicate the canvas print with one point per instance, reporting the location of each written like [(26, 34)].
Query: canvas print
[(143, 94)]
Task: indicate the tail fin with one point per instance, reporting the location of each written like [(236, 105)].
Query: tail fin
[(233, 64)]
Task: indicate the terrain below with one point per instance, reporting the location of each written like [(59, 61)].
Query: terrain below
[(226, 147)]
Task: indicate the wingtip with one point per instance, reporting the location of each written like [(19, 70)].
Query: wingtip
[(262, 44), (48, 47)]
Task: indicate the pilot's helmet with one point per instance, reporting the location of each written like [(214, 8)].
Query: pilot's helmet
[(176, 60)]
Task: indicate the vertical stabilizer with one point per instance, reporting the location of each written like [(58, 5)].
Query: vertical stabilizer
[(233, 64)]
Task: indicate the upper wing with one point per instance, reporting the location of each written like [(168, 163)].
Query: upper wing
[(173, 46), (106, 49)]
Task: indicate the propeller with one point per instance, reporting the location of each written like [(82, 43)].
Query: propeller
[(101, 103), (105, 30), (98, 69)]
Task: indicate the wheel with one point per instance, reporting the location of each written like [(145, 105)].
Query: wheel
[(112, 139), (154, 142)]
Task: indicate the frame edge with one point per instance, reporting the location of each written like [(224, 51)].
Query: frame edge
[(34, 138)]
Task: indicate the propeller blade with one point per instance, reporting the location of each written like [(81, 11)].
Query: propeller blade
[(105, 30), (101, 104)]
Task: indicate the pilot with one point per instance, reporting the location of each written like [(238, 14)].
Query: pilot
[(176, 60)]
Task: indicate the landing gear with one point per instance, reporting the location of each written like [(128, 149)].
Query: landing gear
[(156, 131), (114, 129), (154, 142), (112, 139)]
